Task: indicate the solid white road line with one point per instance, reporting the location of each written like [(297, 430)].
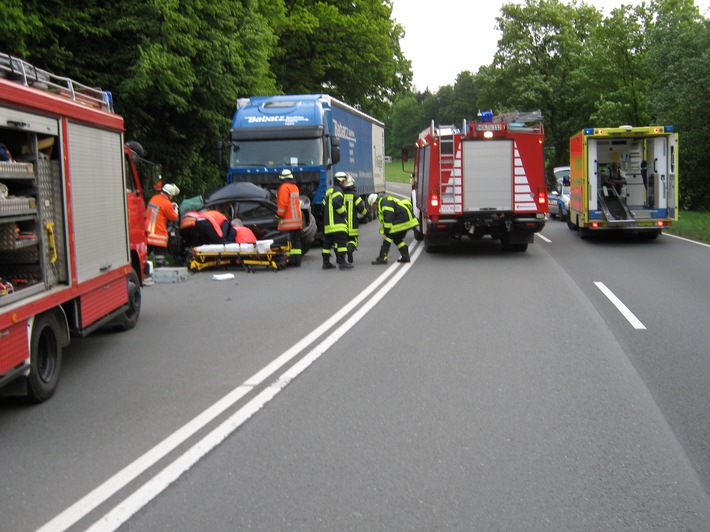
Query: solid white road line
[(633, 320), (152, 488), (687, 240), (99, 495)]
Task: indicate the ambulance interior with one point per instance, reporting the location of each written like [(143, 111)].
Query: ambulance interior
[(644, 165)]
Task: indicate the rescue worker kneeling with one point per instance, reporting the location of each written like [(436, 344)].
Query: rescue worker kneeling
[(396, 218), (203, 227), (212, 227)]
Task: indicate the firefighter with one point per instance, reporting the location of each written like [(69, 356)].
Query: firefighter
[(161, 210), (335, 228), (203, 227), (354, 207), (396, 218), (288, 201), (239, 233)]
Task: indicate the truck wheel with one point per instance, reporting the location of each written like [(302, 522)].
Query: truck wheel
[(45, 358), (418, 235), (571, 224), (129, 318)]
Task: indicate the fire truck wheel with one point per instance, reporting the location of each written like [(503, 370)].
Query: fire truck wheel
[(129, 318), (45, 358), (418, 235)]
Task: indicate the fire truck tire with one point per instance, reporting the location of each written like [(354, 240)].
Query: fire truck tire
[(418, 235), (129, 318), (45, 358)]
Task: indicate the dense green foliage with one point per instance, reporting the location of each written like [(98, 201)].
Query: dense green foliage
[(176, 68)]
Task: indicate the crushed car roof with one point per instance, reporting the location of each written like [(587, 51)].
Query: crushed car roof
[(236, 191)]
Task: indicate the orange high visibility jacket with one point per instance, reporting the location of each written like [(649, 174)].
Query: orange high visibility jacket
[(289, 206), (159, 212), (216, 218)]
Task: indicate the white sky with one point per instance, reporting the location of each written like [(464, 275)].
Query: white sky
[(465, 33)]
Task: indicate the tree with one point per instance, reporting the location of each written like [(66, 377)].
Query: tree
[(679, 65), (537, 66), (405, 124), (175, 68), (349, 50)]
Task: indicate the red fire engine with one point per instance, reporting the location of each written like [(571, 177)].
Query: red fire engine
[(66, 264), (487, 178)]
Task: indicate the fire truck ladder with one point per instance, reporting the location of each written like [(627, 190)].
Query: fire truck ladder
[(446, 164), (31, 76)]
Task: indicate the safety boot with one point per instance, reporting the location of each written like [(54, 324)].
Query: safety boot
[(326, 263), (380, 260), (405, 255), (340, 259)]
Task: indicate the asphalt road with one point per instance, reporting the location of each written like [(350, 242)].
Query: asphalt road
[(470, 390)]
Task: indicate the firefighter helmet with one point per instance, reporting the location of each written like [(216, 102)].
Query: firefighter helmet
[(340, 176), (171, 189), (372, 199), (349, 182), (286, 174)]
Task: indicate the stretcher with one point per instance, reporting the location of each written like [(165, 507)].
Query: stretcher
[(263, 253)]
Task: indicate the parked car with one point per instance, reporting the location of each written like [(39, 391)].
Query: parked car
[(561, 173), (558, 202), (256, 208)]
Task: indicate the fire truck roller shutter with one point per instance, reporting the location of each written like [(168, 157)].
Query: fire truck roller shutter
[(98, 199)]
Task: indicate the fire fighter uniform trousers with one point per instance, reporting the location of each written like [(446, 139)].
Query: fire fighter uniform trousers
[(295, 255), (337, 240), (398, 240)]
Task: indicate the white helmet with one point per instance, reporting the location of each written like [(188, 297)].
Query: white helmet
[(171, 189), (340, 176), (372, 199), (349, 182), (286, 174)]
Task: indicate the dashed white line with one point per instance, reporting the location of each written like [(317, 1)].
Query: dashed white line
[(633, 320)]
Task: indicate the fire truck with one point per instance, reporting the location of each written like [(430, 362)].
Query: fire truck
[(486, 178), (66, 264), (644, 198)]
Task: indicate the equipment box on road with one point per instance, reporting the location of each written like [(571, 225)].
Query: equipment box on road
[(170, 275)]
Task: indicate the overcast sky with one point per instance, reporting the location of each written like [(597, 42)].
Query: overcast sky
[(465, 33)]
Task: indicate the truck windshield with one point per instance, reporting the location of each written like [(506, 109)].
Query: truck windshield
[(276, 152)]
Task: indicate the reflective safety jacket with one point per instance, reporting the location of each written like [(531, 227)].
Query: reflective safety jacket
[(334, 212), (159, 212), (394, 215), (217, 219), (288, 202), (354, 206)]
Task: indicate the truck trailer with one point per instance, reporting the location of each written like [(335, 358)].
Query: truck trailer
[(485, 179), (646, 199), (308, 134), (66, 265)]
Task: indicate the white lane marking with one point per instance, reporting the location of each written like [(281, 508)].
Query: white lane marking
[(110, 487), (152, 488), (687, 240), (633, 320), (544, 238)]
